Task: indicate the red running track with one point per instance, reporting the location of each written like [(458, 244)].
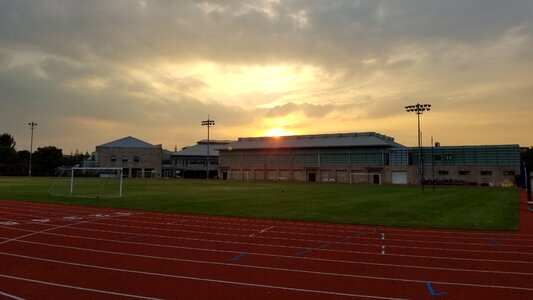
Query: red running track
[(64, 251)]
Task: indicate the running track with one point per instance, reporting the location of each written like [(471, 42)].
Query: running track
[(63, 251)]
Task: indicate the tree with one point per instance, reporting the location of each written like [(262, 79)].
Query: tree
[(46, 160), (23, 162), (8, 154), (7, 140)]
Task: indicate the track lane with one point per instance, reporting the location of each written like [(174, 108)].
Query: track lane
[(500, 246)]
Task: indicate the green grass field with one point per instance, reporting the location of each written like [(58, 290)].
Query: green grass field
[(446, 207)]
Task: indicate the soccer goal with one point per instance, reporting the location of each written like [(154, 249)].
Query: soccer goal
[(239, 175), (365, 178), (88, 183)]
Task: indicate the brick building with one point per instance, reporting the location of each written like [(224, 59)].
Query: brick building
[(137, 158)]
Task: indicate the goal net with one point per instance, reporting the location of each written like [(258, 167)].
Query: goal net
[(365, 178), (88, 183), (239, 175)]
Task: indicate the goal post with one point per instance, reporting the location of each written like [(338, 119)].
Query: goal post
[(366, 178), (88, 183)]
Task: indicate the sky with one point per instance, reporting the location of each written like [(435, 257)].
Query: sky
[(90, 72)]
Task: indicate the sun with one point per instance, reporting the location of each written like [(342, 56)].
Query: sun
[(277, 132)]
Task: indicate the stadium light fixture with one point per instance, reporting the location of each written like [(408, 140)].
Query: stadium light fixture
[(32, 126), (419, 109), (208, 123)]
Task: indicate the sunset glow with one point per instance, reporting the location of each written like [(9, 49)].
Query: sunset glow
[(155, 69), (277, 132)]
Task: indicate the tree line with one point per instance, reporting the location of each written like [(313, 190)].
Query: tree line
[(45, 160)]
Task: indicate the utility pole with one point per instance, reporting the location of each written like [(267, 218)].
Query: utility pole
[(32, 126), (208, 123)]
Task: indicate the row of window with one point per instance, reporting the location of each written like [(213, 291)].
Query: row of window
[(484, 173), (125, 158)]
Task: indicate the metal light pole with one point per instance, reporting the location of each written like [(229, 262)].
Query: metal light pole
[(208, 123), (419, 109), (32, 126)]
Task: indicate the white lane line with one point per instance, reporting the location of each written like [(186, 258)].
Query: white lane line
[(447, 240), (290, 257), (37, 232), (251, 235), (277, 268), (296, 240), (8, 223), (447, 235), (427, 248), (44, 231), (10, 296), (311, 225), (272, 246), (74, 287), (322, 292), (266, 229), (299, 225)]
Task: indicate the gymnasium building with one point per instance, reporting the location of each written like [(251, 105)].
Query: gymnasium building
[(366, 157)]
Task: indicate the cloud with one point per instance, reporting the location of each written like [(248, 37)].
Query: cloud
[(132, 63), (309, 110)]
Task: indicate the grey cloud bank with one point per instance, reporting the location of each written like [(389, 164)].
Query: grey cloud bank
[(90, 71)]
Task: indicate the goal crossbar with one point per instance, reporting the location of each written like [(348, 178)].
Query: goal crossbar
[(98, 189)]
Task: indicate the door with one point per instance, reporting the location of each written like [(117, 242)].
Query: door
[(399, 177), (312, 177)]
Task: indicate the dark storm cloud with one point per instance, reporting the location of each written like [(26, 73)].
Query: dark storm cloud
[(244, 31)]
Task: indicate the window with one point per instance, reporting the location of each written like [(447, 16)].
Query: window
[(124, 159), (508, 173), (136, 159), (448, 157), (464, 173), (437, 157), (443, 172), (113, 158), (486, 172)]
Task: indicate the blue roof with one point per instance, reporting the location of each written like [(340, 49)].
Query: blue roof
[(129, 142)]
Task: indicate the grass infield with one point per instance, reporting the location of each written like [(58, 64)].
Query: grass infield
[(389, 205)]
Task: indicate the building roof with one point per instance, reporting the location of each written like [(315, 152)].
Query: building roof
[(200, 149), (362, 139), (129, 142)]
